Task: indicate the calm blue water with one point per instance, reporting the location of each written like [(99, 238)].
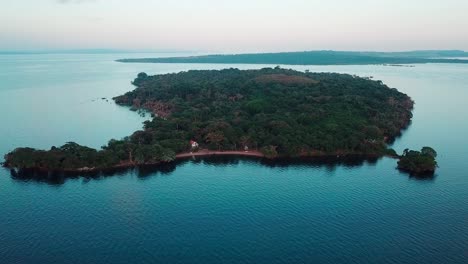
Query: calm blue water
[(225, 212)]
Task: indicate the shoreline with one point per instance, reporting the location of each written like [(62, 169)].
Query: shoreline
[(186, 155), (128, 164)]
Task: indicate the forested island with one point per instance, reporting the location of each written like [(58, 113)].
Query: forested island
[(418, 162), (270, 113), (319, 58)]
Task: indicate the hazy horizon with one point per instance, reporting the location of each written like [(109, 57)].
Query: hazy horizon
[(189, 52), (233, 27)]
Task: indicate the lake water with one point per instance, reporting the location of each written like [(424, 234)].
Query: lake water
[(229, 211)]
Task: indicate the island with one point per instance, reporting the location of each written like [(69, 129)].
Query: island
[(268, 113), (320, 57), (418, 162)]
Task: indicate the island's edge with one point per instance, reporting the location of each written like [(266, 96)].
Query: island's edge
[(187, 155)]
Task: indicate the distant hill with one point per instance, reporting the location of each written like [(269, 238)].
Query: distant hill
[(427, 54), (319, 58)]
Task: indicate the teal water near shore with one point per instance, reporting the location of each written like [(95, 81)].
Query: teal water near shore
[(228, 210)]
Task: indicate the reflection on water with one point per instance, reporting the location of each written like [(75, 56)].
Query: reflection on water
[(331, 163)]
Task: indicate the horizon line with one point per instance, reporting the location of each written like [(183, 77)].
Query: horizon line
[(119, 51)]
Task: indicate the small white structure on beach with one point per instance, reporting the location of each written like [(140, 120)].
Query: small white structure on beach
[(194, 144)]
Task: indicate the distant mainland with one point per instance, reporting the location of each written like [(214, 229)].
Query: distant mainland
[(268, 113), (324, 57)]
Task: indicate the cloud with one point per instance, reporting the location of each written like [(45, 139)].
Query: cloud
[(74, 1)]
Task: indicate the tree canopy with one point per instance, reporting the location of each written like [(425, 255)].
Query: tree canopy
[(418, 162)]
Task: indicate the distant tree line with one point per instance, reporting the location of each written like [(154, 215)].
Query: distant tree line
[(322, 57)]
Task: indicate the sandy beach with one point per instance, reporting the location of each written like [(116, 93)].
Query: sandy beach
[(206, 152)]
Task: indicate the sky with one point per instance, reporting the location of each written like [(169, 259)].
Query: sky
[(234, 25)]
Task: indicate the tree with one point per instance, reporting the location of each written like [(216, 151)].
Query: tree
[(429, 151), (140, 78), (142, 75), (215, 137), (270, 151), (405, 152)]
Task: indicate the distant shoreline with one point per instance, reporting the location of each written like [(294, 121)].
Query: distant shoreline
[(317, 58)]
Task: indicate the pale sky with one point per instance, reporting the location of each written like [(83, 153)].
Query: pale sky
[(234, 25)]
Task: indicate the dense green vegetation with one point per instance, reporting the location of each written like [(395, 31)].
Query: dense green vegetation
[(418, 162), (319, 58), (72, 156), (282, 113)]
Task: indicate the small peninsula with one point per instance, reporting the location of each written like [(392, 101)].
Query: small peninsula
[(269, 113)]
